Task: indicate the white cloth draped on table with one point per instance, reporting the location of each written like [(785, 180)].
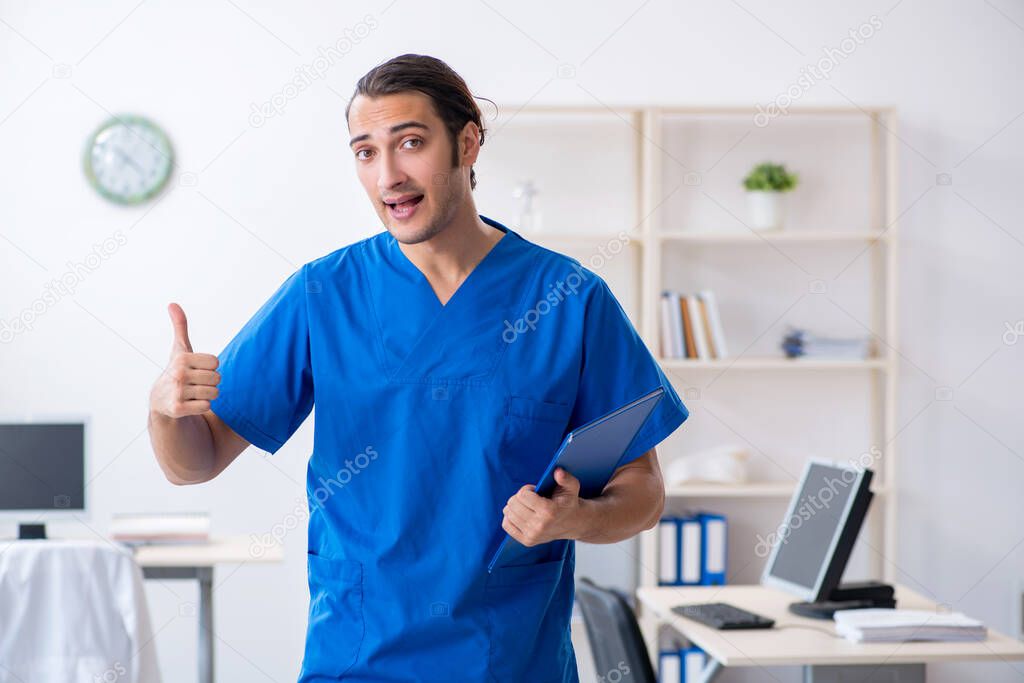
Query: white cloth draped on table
[(73, 612)]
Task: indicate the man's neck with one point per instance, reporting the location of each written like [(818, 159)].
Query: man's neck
[(447, 258)]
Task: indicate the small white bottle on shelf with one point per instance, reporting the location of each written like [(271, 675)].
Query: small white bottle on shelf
[(529, 215)]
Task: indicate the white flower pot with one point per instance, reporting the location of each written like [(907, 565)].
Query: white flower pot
[(767, 209)]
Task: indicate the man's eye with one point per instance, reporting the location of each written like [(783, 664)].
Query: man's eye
[(416, 140), (362, 151)]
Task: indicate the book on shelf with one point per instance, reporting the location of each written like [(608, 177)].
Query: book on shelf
[(705, 349), (799, 343), (691, 326)]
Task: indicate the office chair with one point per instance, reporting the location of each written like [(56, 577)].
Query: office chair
[(614, 634)]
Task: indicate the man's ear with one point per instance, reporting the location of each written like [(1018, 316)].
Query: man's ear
[(469, 144)]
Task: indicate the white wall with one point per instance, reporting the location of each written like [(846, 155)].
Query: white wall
[(272, 196)]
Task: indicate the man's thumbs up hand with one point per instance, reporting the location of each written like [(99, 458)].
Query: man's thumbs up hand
[(180, 323), (190, 381)]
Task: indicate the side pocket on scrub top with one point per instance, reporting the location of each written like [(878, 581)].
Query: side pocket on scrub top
[(335, 615), (525, 605)]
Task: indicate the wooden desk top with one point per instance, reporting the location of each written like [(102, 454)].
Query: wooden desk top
[(225, 550), (815, 642)]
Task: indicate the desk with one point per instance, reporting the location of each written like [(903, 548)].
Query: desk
[(826, 658), (197, 562)]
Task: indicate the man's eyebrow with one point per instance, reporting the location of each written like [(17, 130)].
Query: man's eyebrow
[(394, 129)]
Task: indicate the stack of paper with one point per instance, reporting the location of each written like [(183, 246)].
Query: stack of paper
[(899, 625), (161, 528)]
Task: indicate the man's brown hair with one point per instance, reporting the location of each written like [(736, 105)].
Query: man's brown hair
[(448, 93)]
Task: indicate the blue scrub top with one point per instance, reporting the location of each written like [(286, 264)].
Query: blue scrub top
[(428, 418)]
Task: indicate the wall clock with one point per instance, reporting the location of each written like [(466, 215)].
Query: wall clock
[(128, 159)]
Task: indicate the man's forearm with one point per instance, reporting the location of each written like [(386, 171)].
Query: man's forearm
[(632, 502), (184, 447)]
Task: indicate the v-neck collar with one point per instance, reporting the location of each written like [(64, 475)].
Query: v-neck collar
[(421, 340), (398, 257)]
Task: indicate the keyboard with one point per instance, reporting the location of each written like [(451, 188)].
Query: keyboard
[(723, 616)]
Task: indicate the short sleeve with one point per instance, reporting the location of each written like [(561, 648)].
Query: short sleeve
[(266, 386), (617, 368)]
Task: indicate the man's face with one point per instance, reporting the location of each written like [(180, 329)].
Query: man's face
[(403, 159)]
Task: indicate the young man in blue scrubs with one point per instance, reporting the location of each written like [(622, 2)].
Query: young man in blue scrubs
[(446, 356)]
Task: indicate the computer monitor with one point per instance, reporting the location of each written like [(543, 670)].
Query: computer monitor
[(816, 537), (42, 471)]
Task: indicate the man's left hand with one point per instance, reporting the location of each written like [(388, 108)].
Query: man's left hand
[(532, 519)]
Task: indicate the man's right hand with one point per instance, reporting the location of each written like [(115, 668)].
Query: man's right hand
[(190, 381)]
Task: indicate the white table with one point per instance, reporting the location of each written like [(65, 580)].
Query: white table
[(197, 562), (813, 643)]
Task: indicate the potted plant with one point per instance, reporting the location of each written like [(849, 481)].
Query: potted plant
[(765, 185)]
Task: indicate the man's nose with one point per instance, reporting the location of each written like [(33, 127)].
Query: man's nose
[(391, 174)]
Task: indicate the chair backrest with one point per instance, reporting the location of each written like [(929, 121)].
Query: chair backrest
[(615, 638)]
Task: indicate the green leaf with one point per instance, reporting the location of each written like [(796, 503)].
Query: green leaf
[(769, 177)]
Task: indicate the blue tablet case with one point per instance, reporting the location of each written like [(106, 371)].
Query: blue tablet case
[(590, 453)]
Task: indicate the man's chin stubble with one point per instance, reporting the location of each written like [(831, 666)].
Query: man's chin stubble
[(433, 228)]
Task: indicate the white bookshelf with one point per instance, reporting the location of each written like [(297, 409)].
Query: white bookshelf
[(656, 229)]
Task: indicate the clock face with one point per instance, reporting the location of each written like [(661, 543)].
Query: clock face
[(128, 160)]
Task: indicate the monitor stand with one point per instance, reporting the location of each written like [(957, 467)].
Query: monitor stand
[(31, 532), (858, 595)]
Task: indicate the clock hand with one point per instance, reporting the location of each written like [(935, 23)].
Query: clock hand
[(127, 159)]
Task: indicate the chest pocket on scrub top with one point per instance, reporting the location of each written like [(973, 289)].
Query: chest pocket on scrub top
[(533, 431)]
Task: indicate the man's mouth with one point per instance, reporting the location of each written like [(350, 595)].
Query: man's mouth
[(403, 207)]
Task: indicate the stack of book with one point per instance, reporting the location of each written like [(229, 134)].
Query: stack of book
[(900, 625), (691, 326), (161, 528), (692, 550), (800, 343)]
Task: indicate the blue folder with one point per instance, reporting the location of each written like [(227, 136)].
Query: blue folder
[(590, 453), (713, 541), (682, 665)]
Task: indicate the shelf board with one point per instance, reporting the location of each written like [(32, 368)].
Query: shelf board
[(773, 363), (771, 237)]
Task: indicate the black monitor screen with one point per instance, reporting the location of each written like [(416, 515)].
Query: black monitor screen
[(42, 466), (808, 532)]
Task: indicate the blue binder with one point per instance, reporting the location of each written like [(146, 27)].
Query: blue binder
[(691, 663), (590, 453), (683, 665), (691, 551), (714, 538), (670, 666), (680, 554), (668, 551)]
